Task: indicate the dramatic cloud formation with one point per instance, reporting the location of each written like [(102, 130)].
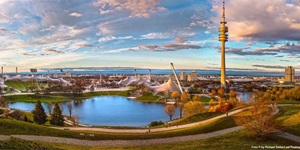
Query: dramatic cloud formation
[(290, 49), (136, 32), (264, 20)]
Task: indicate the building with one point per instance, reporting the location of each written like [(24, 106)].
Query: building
[(290, 74), (192, 76), (68, 74), (223, 37), (182, 76)]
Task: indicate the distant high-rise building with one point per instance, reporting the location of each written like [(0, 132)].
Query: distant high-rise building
[(290, 74), (182, 76), (192, 76)]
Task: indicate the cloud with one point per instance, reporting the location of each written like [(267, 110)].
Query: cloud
[(291, 49), (75, 14), (269, 66), (48, 29), (111, 38), (52, 51), (265, 20), (136, 8), (285, 60), (156, 36), (84, 45), (119, 50), (29, 55), (168, 47)]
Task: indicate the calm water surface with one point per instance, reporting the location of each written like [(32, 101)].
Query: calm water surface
[(110, 111)]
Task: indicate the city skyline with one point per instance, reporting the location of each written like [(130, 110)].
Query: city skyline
[(112, 33)]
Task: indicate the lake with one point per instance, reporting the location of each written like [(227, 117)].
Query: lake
[(109, 111)]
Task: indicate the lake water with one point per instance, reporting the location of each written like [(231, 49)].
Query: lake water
[(110, 111)]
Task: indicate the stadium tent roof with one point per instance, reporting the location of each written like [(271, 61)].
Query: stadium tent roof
[(169, 86)]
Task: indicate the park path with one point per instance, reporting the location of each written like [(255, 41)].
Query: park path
[(137, 142), (123, 142)]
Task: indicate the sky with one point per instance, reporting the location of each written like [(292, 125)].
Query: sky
[(263, 35)]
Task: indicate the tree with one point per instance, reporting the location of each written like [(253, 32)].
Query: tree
[(196, 98), (3, 102), (56, 117), (175, 95), (170, 110), (181, 106), (232, 97), (213, 94), (39, 115), (192, 108), (75, 120), (185, 97), (261, 122), (221, 92), (70, 107)]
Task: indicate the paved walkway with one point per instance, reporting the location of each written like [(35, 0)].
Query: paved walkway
[(136, 142), (124, 142)]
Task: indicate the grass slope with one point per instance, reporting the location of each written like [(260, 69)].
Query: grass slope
[(289, 119), (9, 127)]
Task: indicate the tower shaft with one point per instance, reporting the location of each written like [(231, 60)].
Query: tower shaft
[(223, 37), (223, 71)]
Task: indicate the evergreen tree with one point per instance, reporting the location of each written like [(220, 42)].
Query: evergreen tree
[(39, 115), (56, 117)]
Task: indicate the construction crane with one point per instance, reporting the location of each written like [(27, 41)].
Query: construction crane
[(180, 88)]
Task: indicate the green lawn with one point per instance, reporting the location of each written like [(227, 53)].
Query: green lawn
[(204, 99), (289, 119), (19, 144), (286, 102), (235, 140), (196, 118), (9, 127), (57, 98), (149, 97), (23, 86)]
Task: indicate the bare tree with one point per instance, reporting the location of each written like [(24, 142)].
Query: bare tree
[(261, 122), (75, 120), (70, 107)]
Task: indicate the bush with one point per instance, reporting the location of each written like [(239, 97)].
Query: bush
[(17, 114), (155, 123)]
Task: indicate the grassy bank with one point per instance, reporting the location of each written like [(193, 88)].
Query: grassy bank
[(289, 119), (195, 118), (9, 127), (236, 140), (59, 97), (150, 98)]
